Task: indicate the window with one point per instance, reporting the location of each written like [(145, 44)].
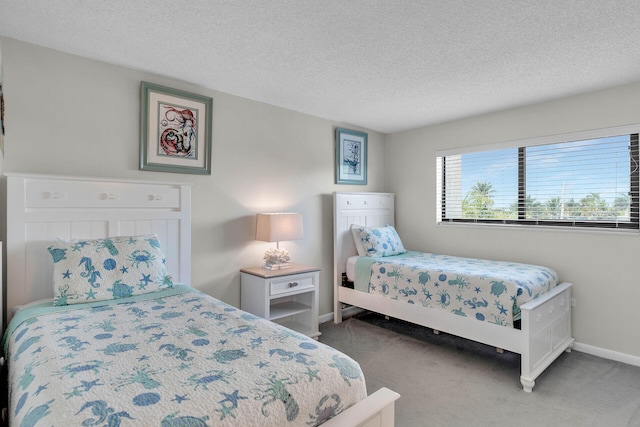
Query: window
[(588, 179)]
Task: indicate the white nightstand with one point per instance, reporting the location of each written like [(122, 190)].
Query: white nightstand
[(288, 297)]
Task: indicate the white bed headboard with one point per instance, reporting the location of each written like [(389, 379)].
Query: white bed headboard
[(368, 209), (42, 208)]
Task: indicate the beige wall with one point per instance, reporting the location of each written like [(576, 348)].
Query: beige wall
[(74, 116), (604, 267)]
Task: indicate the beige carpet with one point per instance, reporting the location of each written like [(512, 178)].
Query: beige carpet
[(449, 381)]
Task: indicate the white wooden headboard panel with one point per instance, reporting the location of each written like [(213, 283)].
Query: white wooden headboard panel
[(368, 209), (41, 209)]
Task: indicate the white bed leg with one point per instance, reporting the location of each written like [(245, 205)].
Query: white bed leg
[(386, 317), (499, 350), (337, 313), (337, 304), (527, 384), (436, 332)]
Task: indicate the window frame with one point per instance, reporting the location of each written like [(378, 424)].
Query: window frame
[(634, 191)]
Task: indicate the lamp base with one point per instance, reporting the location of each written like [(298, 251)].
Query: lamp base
[(276, 259), (281, 266)]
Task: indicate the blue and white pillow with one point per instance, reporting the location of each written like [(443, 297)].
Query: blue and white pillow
[(110, 268), (380, 241)]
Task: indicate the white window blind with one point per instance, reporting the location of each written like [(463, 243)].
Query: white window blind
[(588, 179)]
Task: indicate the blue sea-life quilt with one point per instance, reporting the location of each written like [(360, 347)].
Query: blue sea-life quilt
[(489, 291), (176, 357)]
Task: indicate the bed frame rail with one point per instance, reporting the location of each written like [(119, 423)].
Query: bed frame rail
[(377, 410)]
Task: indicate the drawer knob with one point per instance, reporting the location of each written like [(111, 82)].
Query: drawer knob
[(155, 197), (110, 196), (293, 284)]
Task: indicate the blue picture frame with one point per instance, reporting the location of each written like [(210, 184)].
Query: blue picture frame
[(351, 157)]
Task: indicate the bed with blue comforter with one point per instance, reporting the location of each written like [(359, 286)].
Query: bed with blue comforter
[(486, 290), (175, 357)]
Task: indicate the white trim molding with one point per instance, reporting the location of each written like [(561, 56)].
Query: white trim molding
[(607, 354)]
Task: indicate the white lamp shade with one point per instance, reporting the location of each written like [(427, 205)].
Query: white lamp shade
[(279, 227)]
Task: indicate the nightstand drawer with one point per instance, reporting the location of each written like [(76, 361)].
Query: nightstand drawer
[(291, 285)]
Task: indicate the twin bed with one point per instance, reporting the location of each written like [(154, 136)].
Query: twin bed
[(121, 339), (515, 307)]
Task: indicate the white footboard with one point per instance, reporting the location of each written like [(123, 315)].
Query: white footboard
[(546, 322), (377, 410)]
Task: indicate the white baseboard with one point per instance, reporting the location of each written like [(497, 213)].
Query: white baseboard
[(577, 346), (607, 354), (346, 312), (325, 318)]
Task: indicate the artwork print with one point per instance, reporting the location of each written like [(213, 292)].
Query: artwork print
[(178, 131), (351, 157), (175, 130)]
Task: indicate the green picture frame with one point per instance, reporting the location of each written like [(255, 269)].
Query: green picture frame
[(1, 118), (1, 109), (351, 157), (175, 130)]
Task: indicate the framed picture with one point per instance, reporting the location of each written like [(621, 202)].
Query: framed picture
[(351, 157), (175, 130), (1, 111), (1, 118)]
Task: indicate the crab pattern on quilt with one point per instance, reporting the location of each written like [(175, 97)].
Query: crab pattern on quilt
[(175, 358), (490, 291)]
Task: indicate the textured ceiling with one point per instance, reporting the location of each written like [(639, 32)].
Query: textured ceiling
[(383, 65)]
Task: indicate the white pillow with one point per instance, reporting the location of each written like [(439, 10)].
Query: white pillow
[(355, 231), (109, 268)]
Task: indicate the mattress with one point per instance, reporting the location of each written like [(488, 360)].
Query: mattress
[(172, 358), (489, 291)]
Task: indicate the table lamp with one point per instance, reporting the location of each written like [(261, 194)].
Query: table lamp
[(277, 227)]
